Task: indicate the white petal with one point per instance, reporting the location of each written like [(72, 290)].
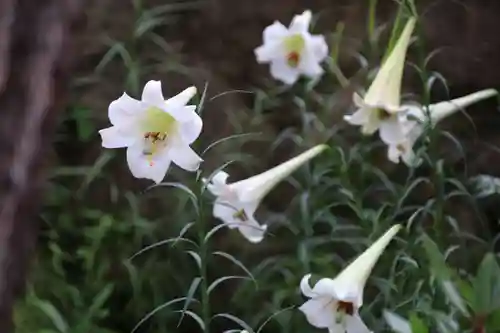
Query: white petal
[(184, 157), (393, 154), (281, 71), (360, 117), (252, 230), (309, 66), (141, 168), (177, 108), (152, 94), (114, 137), (268, 52), (225, 212), (124, 110), (300, 23), (305, 287), (191, 128), (217, 185), (354, 324), (318, 47), (319, 312), (182, 98), (391, 130), (274, 32), (220, 178)]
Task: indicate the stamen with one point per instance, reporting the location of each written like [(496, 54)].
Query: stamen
[(383, 114), (158, 125), (293, 59), (401, 148), (294, 45), (345, 307), (241, 215)]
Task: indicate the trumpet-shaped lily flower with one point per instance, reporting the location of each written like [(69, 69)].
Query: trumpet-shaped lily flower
[(292, 51), (334, 303), (381, 103), (155, 131), (237, 202), (414, 119)]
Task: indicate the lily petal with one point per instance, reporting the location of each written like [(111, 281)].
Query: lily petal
[(114, 137), (252, 230), (300, 23), (319, 312), (152, 93), (353, 278), (310, 66), (225, 212), (268, 52), (281, 71), (124, 110), (318, 47), (190, 129), (140, 166), (254, 189), (274, 32), (386, 87), (184, 157), (442, 110), (391, 130), (354, 324), (177, 108)]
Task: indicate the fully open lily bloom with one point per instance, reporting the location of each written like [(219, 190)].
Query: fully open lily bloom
[(292, 51), (334, 303), (414, 119), (155, 131), (237, 202), (381, 103)]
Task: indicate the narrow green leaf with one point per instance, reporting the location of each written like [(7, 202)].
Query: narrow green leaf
[(155, 310), (236, 262), (417, 325), (237, 320), (214, 284), (189, 297), (55, 316)]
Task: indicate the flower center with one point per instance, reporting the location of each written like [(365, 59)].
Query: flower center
[(382, 114), (342, 310), (240, 215), (345, 307), (294, 45), (401, 148), (157, 126)]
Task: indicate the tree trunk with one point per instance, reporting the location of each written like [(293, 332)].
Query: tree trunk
[(35, 54)]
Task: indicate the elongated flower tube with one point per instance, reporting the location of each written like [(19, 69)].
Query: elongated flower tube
[(334, 303), (292, 51), (414, 119), (155, 131), (381, 103), (237, 202)]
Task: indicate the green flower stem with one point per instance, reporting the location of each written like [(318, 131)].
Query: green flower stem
[(203, 251)]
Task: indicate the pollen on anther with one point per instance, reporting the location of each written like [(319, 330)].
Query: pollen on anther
[(293, 59)]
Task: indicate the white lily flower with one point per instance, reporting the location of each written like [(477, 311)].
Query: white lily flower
[(415, 118), (237, 202), (155, 131), (292, 51), (381, 103), (334, 303)]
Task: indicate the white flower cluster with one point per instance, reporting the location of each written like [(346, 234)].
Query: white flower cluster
[(158, 131)]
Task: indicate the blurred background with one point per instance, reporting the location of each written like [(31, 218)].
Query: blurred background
[(92, 215)]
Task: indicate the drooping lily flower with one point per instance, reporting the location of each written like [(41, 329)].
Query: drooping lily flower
[(237, 202), (334, 303), (292, 51), (155, 131), (415, 118), (381, 103)]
